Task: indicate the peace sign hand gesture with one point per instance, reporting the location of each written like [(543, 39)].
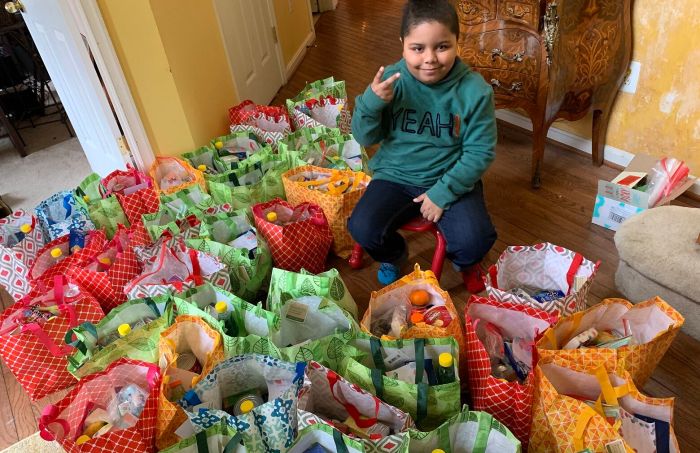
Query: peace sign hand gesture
[(385, 89)]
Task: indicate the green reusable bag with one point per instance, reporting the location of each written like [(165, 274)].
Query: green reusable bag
[(286, 285), (429, 405), (207, 156), (341, 152), (140, 344), (105, 213), (221, 437), (308, 135), (159, 222), (314, 90), (256, 180), (235, 148), (329, 438), (187, 201), (248, 328)]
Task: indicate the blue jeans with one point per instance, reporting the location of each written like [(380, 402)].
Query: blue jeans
[(386, 205)]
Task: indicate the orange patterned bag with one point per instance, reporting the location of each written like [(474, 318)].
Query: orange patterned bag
[(593, 403), (191, 344), (171, 175), (335, 191), (653, 324)]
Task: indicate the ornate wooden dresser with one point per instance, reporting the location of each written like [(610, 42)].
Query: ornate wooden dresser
[(551, 58)]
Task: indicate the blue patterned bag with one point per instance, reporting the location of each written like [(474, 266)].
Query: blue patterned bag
[(59, 214)]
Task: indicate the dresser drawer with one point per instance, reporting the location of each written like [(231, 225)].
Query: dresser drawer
[(509, 49), (507, 83), (474, 12), (524, 12)]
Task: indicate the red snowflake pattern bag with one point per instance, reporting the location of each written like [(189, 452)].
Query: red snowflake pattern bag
[(134, 190)]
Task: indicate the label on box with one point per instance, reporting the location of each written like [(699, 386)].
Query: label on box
[(624, 194), (611, 213)]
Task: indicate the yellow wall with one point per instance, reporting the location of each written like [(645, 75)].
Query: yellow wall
[(292, 27), (175, 65), (663, 116)]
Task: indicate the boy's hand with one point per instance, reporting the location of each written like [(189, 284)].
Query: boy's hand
[(428, 209), (385, 89)]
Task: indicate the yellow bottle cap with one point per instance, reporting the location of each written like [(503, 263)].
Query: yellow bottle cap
[(438, 450), (86, 198), (271, 216), (221, 307), (104, 260), (82, 439), (166, 379), (445, 359), (125, 329), (219, 145), (246, 406), (195, 379), (56, 252), (202, 167), (25, 228)]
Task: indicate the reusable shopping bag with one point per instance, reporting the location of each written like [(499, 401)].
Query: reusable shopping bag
[(307, 136), (192, 200), (323, 438), (99, 344), (248, 112), (391, 310), (189, 350), (356, 412), (205, 159), (59, 214), (428, 402), (105, 212), (21, 238), (321, 103), (298, 236), (135, 191), (32, 333), (594, 403), (341, 152), (274, 385), (124, 395), (220, 437), (286, 285), (651, 325), (335, 191), (488, 323), (235, 148), (171, 174), (544, 276), (112, 266), (164, 222)]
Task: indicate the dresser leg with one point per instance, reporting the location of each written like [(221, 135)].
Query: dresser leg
[(600, 129), (539, 135)]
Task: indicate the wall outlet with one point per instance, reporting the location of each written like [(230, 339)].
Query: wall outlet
[(630, 83)]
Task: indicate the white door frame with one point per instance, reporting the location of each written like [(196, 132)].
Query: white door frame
[(89, 18)]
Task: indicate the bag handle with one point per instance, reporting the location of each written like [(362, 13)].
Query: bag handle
[(340, 446), (196, 268), (49, 415), (573, 269), (360, 420)]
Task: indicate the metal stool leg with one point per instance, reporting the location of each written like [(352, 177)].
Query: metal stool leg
[(356, 256), (439, 254)]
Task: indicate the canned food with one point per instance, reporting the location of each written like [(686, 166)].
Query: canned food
[(243, 403)]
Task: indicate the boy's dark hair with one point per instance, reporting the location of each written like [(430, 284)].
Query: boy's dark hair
[(416, 12)]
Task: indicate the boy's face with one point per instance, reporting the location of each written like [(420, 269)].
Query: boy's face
[(430, 49)]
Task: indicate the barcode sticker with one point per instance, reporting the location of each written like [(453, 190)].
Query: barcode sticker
[(616, 218), (297, 312)]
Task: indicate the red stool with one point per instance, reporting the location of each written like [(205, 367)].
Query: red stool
[(419, 224)]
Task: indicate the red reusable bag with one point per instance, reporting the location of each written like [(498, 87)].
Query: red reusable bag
[(134, 190), (299, 238), (64, 421), (32, 343), (247, 111), (509, 402)]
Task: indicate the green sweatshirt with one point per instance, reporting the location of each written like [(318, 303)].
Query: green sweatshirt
[(439, 136)]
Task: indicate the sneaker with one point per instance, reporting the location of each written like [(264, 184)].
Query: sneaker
[(388, 273), (473, 279)]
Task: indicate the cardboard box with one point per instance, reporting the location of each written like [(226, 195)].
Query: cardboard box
[(615, 203)]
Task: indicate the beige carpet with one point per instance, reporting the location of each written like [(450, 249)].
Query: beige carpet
[(24, 182), (33, 444)]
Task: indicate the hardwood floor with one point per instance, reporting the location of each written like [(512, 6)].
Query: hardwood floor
[(352, 42)]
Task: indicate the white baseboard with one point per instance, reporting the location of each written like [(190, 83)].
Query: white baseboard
[(613, 155), (300, 54)]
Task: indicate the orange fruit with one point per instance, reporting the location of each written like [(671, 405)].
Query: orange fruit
[(419, 297)]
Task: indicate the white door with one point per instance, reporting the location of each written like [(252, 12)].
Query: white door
[(247, 27), (72, 71)]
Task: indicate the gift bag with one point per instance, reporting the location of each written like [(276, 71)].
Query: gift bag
[(21, 239), (298, 236), (398, 373), (189, 350), (32, 333), (307, 136), (105, 212), (256, 394), (413, 307), (287, 285), (323, 102), (164, 222), (59, 214), (323, 438), (335, 191), (220, 437), (135, 191), (640, 334), (114, 264), (333, 400), (342, 152), (235, 148), (544, 276), (205, 159), (110, 411), (502, 383), (595, 405), (130, 330), (268, 123), (186, 202), (171, 174)]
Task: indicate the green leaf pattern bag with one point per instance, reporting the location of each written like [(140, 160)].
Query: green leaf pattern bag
[(105, 213)]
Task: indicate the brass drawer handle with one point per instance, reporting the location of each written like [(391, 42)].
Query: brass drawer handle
[(516, 57), (515, 86)]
